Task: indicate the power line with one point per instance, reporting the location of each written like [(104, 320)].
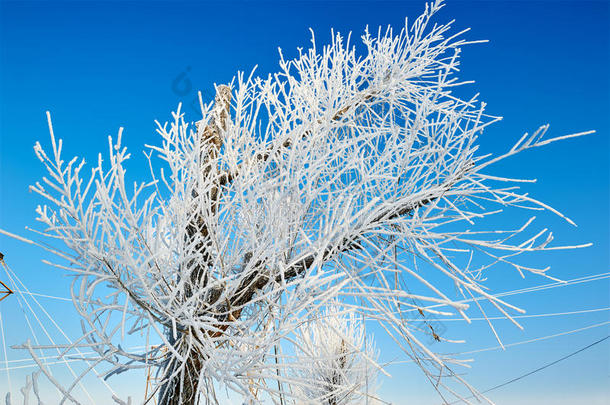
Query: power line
[(579, 280), (43, 295), (585, 279), (541, 368), (502, 318), (505, 346), (548, 365), (535, 339)]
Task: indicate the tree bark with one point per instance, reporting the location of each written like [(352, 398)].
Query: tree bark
[(183, 388)]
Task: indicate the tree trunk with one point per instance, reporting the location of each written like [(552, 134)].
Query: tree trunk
[(183, 389)]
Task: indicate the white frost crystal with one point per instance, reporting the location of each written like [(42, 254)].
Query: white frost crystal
[(348, 185)]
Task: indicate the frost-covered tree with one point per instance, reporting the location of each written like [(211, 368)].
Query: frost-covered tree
[(301, 214), (333, 358)]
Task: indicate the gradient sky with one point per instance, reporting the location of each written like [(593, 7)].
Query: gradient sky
[(101, 65)]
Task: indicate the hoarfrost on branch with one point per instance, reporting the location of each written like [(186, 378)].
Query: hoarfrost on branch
[(341, 194)]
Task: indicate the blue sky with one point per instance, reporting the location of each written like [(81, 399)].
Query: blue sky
[(101, 65)]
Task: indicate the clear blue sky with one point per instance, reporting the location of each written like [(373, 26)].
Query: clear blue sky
[(100, 65)]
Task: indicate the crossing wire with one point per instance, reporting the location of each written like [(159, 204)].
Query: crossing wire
[(540, 368), (8, 375), (548, 365)]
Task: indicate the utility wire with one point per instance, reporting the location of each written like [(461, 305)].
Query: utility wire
[(502, 318), (548, 365), (585, 279), (506, 345), (8, 374), (541, 368), (535, 339)]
